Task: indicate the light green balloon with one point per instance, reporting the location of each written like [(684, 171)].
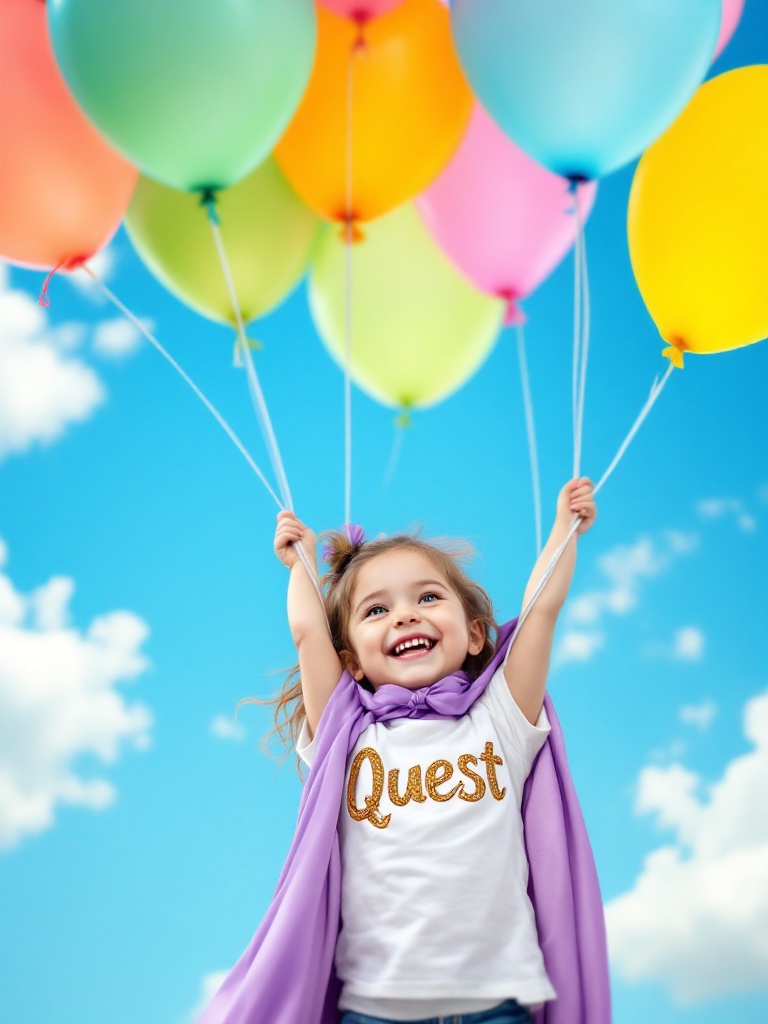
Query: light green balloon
[(419, 328), (267, 231), (194, 92)]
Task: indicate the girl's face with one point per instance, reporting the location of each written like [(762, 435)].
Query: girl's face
[(407, 625)]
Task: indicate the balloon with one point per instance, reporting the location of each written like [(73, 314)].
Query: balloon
[(267, 233), (64, 190), (698, 219), (411, 105), (732, 10), (419, 329), (585, 87), (504, 220), (196, 93), (360, 11)]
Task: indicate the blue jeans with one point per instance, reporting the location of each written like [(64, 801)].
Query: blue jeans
[(508, 1012)]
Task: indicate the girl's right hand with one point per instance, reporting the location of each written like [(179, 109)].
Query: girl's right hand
[(289, 531)]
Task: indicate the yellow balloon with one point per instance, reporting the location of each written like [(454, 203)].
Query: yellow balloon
[(410, 106), (698, 219)]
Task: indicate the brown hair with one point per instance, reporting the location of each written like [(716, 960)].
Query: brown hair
[(345, 560)]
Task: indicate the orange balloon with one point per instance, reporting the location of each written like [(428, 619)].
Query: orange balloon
[(63, 189), (411, 104)]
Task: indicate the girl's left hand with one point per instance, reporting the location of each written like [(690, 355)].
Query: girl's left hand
[(577, 498)]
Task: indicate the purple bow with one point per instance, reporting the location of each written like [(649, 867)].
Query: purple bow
[(355, 535)]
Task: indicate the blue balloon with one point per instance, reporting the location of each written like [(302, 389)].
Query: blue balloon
[(584, 86)]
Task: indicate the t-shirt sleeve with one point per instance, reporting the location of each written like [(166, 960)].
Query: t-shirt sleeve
[(306, 747), (526, 739)]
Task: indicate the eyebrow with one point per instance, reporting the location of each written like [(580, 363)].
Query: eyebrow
[(381, 593)]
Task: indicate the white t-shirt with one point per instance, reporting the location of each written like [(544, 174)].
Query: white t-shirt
[(435, 915)]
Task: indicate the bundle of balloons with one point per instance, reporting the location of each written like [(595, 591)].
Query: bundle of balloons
[(451, 145)]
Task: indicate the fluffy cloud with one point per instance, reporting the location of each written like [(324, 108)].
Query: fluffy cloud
[(717, 508), (58, 701), (226, 728), (43, 388), (624, 569), (118, 337), (688, 644), (697, 917), (700, 715)]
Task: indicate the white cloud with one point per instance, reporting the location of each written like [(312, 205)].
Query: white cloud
[(624, 568), (59, 700), (688, 644), (211, 984), (578, 645), (717, 508), (226, 728), (697, 917), (118, 337), (103, 265), (43, 389), (700, 715)]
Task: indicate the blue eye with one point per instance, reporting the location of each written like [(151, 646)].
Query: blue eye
[(375, 608), (435, 597)]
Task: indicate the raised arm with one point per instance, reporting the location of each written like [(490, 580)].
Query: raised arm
[(318, 661), (527, 666)]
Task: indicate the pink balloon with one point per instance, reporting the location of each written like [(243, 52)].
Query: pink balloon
[(731, 14), (501, 218), (360, 10)]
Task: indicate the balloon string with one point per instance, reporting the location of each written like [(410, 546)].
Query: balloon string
[(348, 241), (656, 389), (254, 387), (585, 331), (401, 422), (259, 403), (43, 298), (531, 430), (166, 355), (577, 279)]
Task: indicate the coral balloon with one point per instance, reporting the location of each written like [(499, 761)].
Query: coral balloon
[(360, 11), (267, 232), (419, 329), (501, 218), (698, 219), (732, 10), (411, 105), (195, 93), (585, 87), (63, 189)]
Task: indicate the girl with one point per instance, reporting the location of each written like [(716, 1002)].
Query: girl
[(407, 893)]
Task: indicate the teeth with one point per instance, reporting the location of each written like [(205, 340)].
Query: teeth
[(408, 644)]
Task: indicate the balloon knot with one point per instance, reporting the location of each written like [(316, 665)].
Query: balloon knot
[(208, 200), (574, 180), (360, 44), (237, 353), (675, 352), (351, 231), (403, 420)]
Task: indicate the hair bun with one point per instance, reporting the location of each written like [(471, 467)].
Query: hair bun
[(339, 547)]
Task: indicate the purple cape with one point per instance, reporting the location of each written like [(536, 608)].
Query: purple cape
[(287, 976)]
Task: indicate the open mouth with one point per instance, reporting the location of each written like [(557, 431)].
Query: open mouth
[(416, 647)]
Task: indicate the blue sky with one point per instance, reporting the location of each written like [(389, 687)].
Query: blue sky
[(141, 835)]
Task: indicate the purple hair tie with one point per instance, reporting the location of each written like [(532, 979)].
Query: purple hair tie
[(354, 534)]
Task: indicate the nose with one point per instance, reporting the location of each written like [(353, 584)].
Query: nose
[(406, 614)]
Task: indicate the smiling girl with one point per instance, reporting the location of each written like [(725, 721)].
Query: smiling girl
[(436, 921)]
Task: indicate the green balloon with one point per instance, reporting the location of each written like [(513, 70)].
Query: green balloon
[(267, 233), (194, 92), (419, 328)]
